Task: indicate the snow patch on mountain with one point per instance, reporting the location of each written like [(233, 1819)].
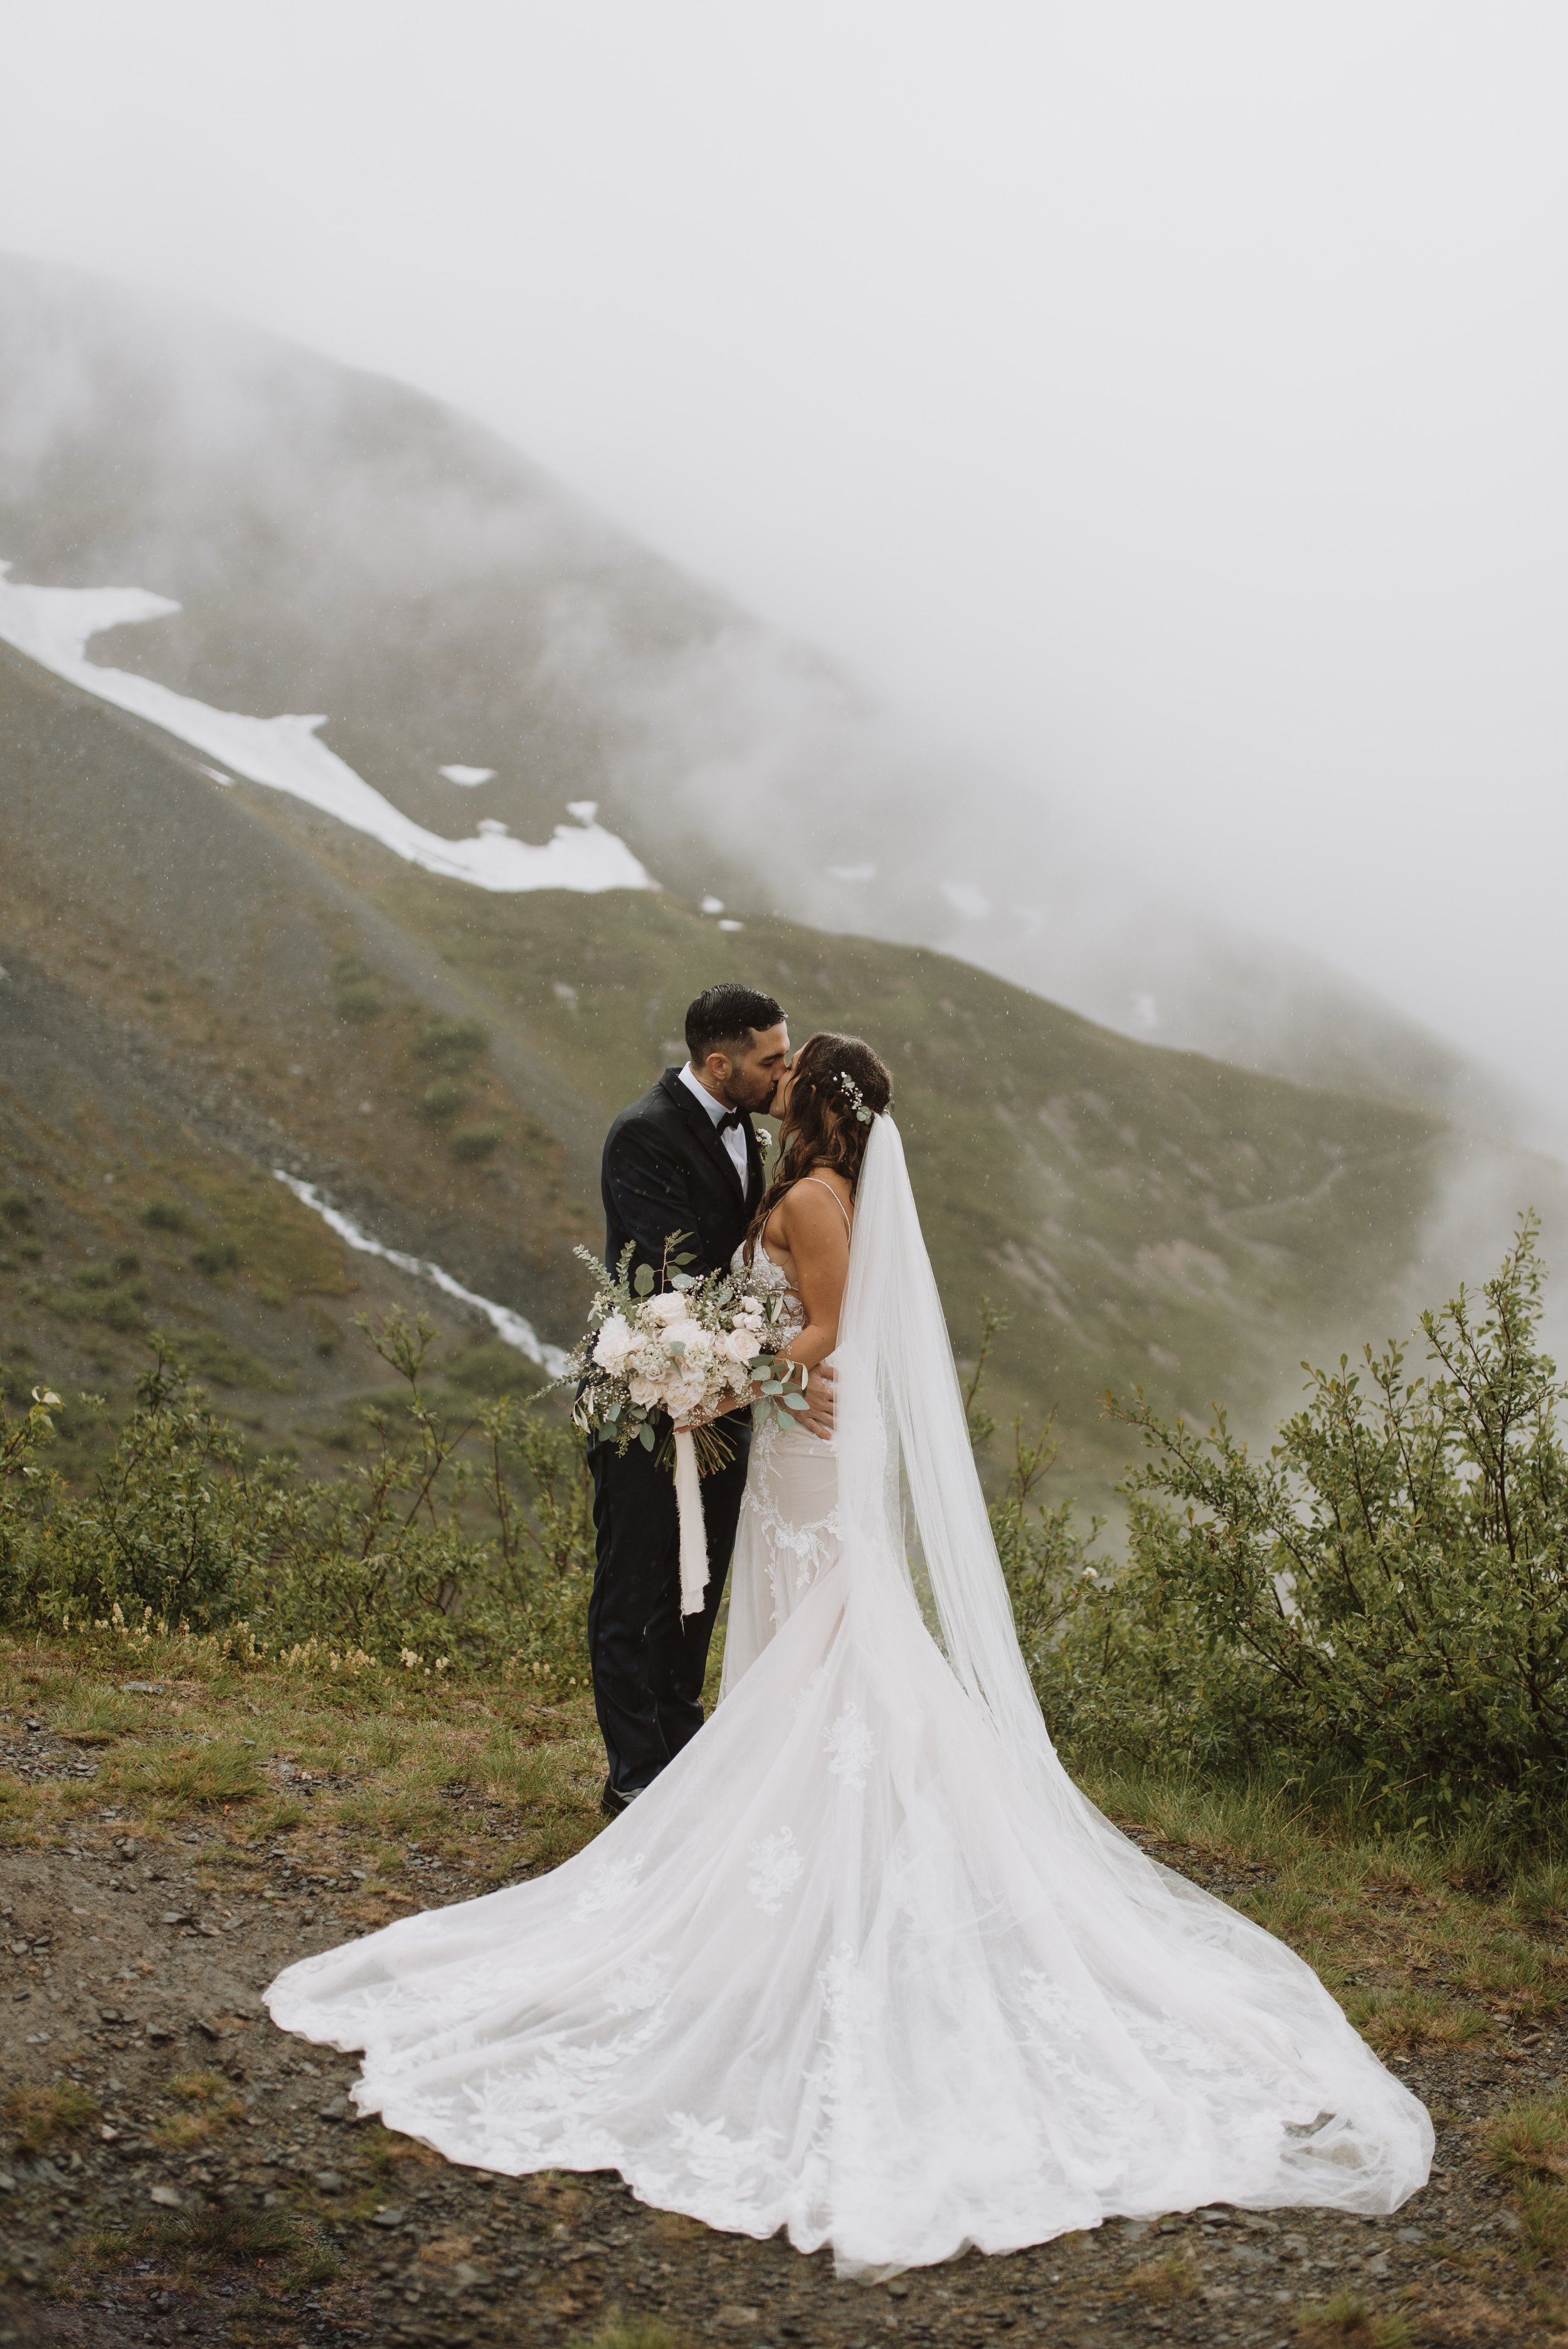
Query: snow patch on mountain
[(52, 625), (509, 1327)]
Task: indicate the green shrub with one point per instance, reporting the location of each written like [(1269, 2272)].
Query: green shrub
[(356, 993), (491, 1368), (215, 1256), (165, 1216), (473, 1142), (468, 1539), (15, 1207), (1381, 1602), (359, 1001), (442, 1100), (213, 1358), (28, 1488), (454, 1045)]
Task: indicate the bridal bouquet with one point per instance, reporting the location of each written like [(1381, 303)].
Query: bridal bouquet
[(687, 1347)]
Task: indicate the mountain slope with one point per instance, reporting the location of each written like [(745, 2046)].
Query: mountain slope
[(341, 545), (219, 980)]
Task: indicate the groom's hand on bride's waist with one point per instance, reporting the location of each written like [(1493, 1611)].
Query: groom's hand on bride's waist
[(817, 1419)]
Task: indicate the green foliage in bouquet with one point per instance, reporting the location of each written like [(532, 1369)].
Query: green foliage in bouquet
[(674, 1340)]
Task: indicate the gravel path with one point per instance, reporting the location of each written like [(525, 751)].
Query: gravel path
[(131, 1971)]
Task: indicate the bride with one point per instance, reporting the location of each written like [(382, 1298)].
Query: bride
[(862, 1963)]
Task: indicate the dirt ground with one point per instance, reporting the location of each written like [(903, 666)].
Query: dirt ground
[(209, 2183)]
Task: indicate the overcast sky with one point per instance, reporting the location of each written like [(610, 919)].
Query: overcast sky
[(1164, 397)]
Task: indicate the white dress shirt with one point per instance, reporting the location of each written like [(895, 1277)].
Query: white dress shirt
[(735, 1140)]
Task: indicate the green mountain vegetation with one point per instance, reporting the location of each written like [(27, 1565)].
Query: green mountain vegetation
[(205, 983)]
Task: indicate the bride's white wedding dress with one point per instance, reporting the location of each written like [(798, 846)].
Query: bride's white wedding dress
[(862, 1963)]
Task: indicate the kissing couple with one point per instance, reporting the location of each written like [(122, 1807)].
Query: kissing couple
[(855, 1958)]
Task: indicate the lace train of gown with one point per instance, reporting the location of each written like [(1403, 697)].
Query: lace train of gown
[(847, 1969)]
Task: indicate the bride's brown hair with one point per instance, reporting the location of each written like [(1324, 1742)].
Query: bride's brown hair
[(840, 1085)]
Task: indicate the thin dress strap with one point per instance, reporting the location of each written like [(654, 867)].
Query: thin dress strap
[(833, 1195)]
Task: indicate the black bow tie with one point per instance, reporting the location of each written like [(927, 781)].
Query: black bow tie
[(730, 1119)]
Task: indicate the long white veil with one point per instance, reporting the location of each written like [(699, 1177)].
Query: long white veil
[(901, 1412)]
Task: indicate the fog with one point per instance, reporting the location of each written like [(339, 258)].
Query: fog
[(1159, 406)]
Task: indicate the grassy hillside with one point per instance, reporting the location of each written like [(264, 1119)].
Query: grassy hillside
[(209, 982)]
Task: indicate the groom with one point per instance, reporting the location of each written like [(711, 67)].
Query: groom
[(682, 1159)]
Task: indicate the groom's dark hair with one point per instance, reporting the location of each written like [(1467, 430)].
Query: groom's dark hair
[(723, 1018)]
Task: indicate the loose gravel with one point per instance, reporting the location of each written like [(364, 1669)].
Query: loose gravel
[(132, 1968)]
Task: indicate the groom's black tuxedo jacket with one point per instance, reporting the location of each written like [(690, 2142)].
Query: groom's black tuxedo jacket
[(666, 1170)]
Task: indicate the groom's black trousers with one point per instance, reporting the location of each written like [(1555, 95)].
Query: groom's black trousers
[(648, 1660)]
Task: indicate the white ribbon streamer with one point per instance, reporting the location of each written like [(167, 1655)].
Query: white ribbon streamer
[(694, 1530)]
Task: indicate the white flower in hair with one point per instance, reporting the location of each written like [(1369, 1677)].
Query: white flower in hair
[(861, 1112)]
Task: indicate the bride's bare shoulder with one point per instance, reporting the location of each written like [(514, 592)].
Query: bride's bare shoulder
[(821, 1199)]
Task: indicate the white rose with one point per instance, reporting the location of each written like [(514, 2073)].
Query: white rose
[(670, 1307), (739, 1345), (648, 1392), (615, 1342)]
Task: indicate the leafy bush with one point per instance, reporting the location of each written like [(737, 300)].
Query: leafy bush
[(356, 993), (491, 1368), (471, 1141), (26, 1486), (442, 1100), (215, 1256), (454, 1045), (357, 999), (468, 1539), (165, 1216), (1383, 1601)]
